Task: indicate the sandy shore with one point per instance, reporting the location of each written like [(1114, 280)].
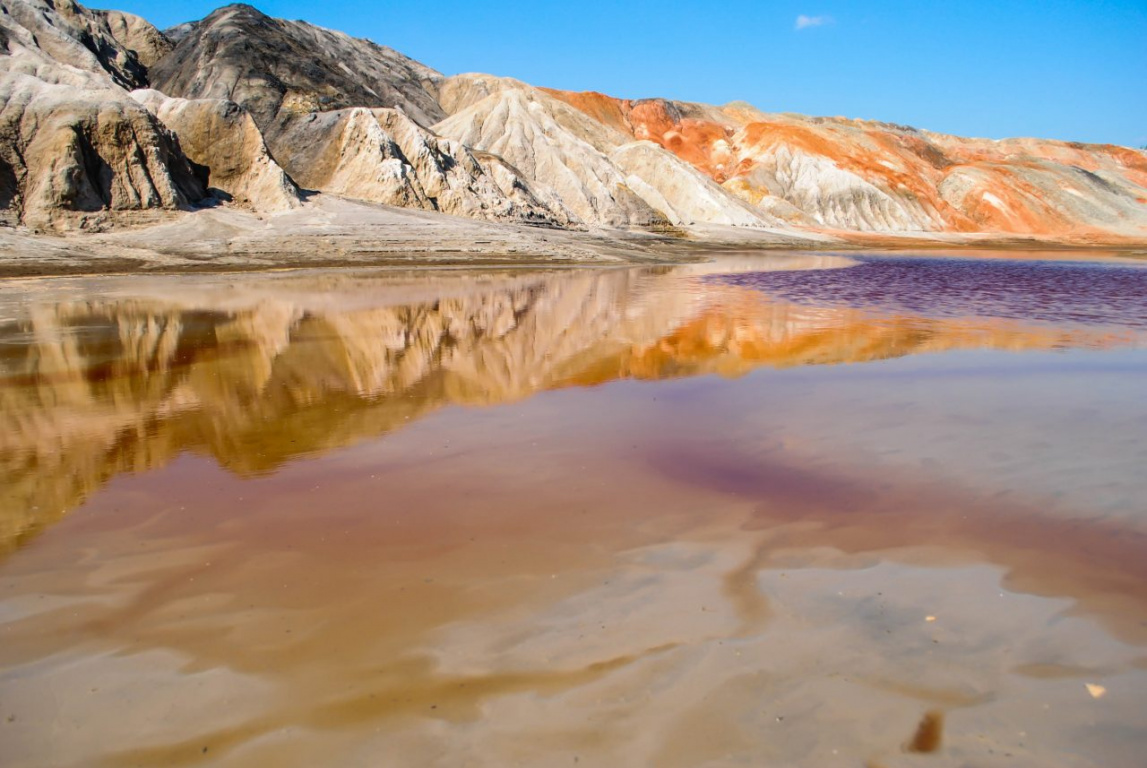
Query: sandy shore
[(330, 231)]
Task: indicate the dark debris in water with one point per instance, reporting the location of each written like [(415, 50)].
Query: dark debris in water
[(929, 733)]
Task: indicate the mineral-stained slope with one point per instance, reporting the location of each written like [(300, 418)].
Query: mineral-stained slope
[(554, 146), (592, 166), (681, 192), (251, 108), (860, 175)]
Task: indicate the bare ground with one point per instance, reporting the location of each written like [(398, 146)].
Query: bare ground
[(330, 231)]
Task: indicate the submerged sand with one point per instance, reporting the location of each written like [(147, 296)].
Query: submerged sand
[(608, 517)]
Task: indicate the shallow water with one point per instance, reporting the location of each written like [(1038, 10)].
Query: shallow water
[(809, 510)]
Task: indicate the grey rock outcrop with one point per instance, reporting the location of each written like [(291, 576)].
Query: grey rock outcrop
[(66, 33), (342, 115), (281, 69), (135, 35), (74, 146)]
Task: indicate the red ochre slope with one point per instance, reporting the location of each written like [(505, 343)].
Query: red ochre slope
[(841, 174)]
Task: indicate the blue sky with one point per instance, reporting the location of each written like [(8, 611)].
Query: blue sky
[(1066, 70)]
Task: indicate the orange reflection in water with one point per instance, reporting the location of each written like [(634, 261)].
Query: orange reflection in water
[(609, 575)]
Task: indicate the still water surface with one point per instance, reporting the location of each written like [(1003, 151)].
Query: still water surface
[(787, 510)]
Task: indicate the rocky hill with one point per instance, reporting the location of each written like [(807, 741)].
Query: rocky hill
[(861, 175), (105, 120), (73, 143)]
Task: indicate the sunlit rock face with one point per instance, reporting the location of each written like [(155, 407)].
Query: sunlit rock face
[(381, 155), (73, 143), (681, 192), (255, 376), (249, 109), (221, 137), (554, 146), (862, 175), (588, 160), (342, 115)]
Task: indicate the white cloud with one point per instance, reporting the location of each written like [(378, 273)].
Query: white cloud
[(804, 22)]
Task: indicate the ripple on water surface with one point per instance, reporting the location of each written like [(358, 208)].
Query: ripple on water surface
[(740, 513), (1040, 291)]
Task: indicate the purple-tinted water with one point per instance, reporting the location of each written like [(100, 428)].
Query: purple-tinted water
[(420, 518), (1058, 292)]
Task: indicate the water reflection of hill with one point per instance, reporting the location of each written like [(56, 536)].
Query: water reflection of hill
[(90, 388)]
